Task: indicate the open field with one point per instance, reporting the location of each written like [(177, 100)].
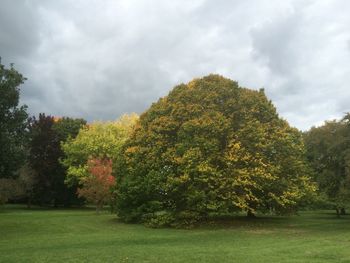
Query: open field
[(66, 235)]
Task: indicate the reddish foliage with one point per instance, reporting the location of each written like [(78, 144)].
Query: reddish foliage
[(97, 187)]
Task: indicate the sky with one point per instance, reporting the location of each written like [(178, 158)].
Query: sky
[(98, 59)]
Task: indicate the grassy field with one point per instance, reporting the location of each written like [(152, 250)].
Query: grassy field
[(39, 235)]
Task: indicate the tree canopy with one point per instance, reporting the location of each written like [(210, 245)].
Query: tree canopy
[(328, 150), (97, 187), (13, 122), (210, 146), (47, 133), (95, 141)]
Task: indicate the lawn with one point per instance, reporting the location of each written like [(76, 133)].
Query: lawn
[(67, 235)]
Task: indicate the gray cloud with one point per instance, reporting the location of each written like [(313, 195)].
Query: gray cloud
[(98, 60), (304, 53), (18, 30), (274, 43)]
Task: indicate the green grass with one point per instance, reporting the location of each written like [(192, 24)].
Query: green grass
[(40, 235)]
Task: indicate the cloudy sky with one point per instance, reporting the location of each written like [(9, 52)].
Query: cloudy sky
[(98, 59)]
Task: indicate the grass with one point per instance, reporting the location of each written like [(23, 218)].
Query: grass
[(66, 235)]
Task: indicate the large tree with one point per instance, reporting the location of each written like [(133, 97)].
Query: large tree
[(211, 146), (13, 122), (47, 134), (328, 150)]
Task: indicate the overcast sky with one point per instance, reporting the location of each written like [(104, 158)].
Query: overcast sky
[(100, 59)]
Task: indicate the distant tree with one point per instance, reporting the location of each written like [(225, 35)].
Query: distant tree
[(328, 150), (13, 122), (10, 189), (97, 186), (67, 128), (19, 188), (95, 141), (47, 134), (27, 181), (43, 157), (211, 146)]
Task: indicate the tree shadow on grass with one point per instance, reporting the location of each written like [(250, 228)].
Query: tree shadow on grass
[(320, 221), (13, 208)]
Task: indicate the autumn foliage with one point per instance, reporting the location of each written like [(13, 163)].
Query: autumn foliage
[(98, 140), (211, 146), (96, 187)]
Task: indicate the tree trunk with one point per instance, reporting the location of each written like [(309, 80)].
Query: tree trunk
[(338, 212), (342, 211)]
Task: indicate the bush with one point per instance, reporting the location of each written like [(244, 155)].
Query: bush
[(158, 219)]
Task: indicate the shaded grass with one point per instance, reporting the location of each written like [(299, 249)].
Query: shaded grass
[(79, 235)]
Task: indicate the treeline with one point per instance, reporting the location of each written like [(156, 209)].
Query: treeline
[(209, 148), (328, 152), (45, 159)]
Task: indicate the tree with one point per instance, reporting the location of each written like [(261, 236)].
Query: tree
[(67, 128), (27, 180), (328, 150), (97, 186), (95, 141), (211, 146), (10, 189), (13, 122), (19, 188), (47, 134)]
